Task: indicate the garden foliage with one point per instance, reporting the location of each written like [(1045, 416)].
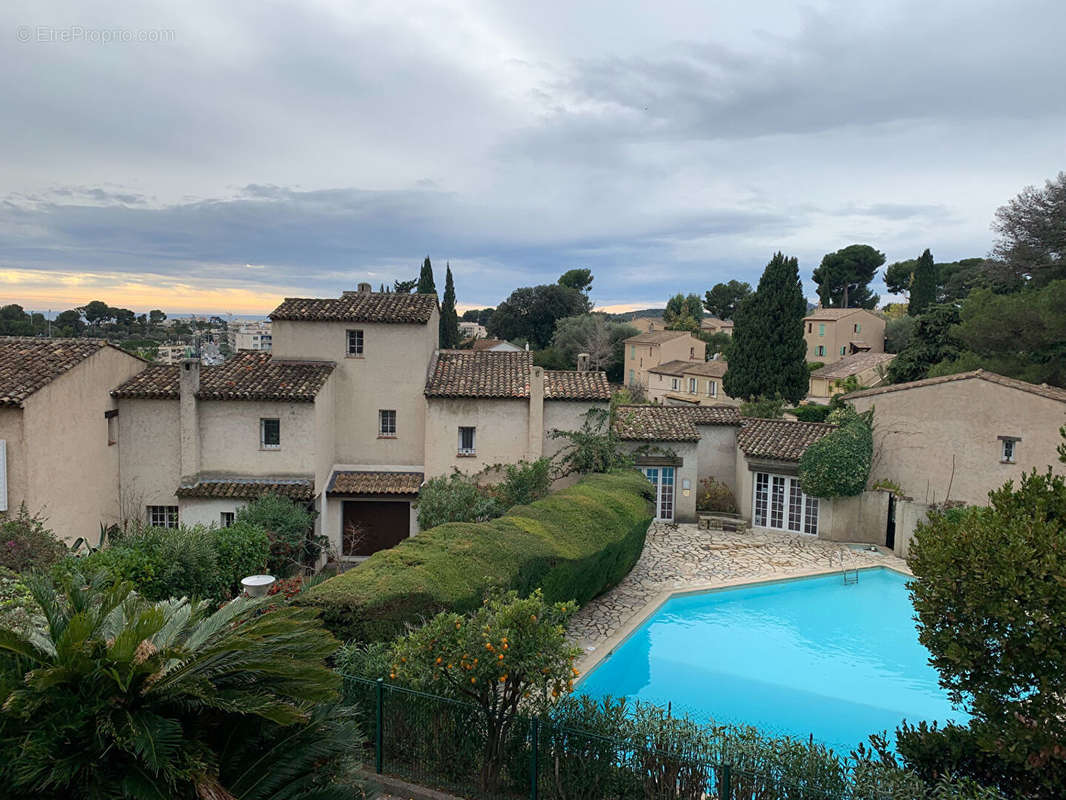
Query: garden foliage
[(574, 544), (715, 496), (838, 464), (26, 544), (811, 413), (290, 526), (463, 498)]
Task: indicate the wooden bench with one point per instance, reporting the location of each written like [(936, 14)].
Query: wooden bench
[(722, 522)]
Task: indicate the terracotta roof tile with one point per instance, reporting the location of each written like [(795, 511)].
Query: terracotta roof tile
[(248, 488), (852, 365), (836, 313), (481, 373), (359, 307), (1043, 390), (246, 376), (655, 337), (781, 439), (27, 364), (710, 369), (362, 482), (656, 423), (574, 385)]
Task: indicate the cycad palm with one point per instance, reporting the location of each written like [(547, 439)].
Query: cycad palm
[(120, 697)]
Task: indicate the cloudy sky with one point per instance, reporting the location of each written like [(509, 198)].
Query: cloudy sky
[(245, 151)]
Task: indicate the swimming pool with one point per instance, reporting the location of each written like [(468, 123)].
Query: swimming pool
[(810, 656)]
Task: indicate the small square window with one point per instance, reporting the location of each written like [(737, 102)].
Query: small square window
[(163, 516), (270, 434), (467, 444), (355, 343), (1009, 446), (386, 423), (225, 519)]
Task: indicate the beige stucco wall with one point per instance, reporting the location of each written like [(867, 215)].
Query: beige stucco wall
[(659, 386), (862, 518), (149, 454), (229, 438), (929, 437), (564, 415), (206, 510), (501, 436), (391, 374), (11, 433), (841, 331), (70, 472), (717, 454)]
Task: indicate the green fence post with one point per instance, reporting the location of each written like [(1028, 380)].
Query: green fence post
[(534, 734), (379, 738), (725, 791)]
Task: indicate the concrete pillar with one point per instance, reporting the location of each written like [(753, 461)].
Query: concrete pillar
[(189, 385), (535, 448)]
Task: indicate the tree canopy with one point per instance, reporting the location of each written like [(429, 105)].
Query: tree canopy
[(843, 277), (923, 285), (722, 299), (768, 357), (449, 321), (1031, 249), (683, 313), (530, 313), (602, 338), (426, 284), (931, 342)]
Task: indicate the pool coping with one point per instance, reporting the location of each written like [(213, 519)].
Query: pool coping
[(592, 658)]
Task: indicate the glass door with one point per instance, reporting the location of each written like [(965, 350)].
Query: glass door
[(662, 478)]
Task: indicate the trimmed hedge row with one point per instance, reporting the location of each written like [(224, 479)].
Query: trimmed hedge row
[(574, 545)]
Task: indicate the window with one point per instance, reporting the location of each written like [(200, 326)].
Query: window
[(632, 351), (355, 343), (1009, 445), (692, 386), (821, 329), (386, 423), (225, 519), (779, 502), (270, 434), (675, 383), (810, 327), (692, 354), (163, 516), (112, 426), (858, 327), (821, 350), (843, 350), (466, 441), (712, 388)]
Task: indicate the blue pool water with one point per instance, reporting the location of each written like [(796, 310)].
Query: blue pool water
[(811, 656)]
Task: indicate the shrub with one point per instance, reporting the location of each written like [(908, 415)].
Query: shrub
[(715, 496), (811, 413), (121, 697), (290, 526), (989, 600), (26, 544), (161, 563), (524, 483), (593, 448), (574, 544), (241, 550), (455, 498), (838, 464), (18, 610)]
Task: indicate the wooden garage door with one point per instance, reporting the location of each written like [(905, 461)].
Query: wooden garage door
[(372, 525)]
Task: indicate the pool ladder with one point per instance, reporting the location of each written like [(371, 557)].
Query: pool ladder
[(849, 575)]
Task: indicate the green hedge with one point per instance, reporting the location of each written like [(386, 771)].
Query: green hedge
[(573, 544)]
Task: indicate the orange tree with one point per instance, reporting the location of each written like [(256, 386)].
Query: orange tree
[(512, 652)]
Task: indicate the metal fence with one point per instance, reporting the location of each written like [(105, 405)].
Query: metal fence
[(453, 746)]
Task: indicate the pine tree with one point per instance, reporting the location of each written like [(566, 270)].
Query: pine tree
[(923, 285), (449, 320), (425, 279), (769, 353)]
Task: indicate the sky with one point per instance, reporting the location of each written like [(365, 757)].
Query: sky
[(216, 157)]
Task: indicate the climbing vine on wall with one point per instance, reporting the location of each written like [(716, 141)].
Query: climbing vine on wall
[(838, 465)]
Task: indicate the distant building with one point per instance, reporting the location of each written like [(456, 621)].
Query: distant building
[(59, 430), (496, 346), (833, 333), (648, 324), (715, 325), (688, 383), (647, 350), (250, 337), (171, 353), (867, 368), (472, 330)]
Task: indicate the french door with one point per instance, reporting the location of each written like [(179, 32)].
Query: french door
[(779, 502), (662, 478)]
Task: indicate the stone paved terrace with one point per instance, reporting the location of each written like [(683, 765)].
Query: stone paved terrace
[(683, 558)]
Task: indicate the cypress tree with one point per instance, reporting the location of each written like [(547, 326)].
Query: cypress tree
[(768, 357), (425, 279), (923, 285), (449, 320)]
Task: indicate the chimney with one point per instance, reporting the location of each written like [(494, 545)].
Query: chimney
[(535, 447), (364, 288), (583, 362), (189, 425)]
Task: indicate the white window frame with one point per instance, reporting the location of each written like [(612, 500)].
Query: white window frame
[(675, 384), (1008, 450), (263, 444), (664, 480), (162, 516), (779, 497), (712, 388), (692, 386), (356, 348), (472, 449), (226, 518), (387, 423)]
